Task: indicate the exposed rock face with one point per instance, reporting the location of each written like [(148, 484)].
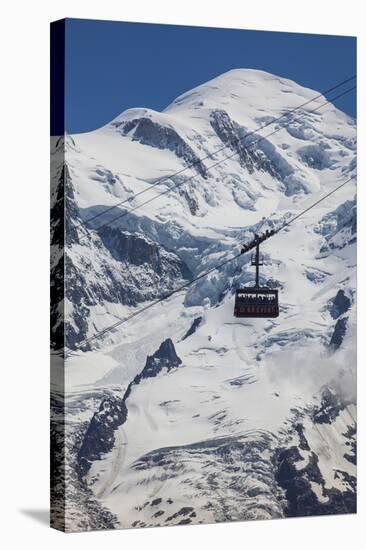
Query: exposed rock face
[(99, 438), (255, 152), (57, 237), (338, 309), (74, 507), (192, 329), (65, 227), (64, 213), (329, 409), (232, 134), (351, 435), (149, 132), (56, 305), (128, 269), (340, 304), (137, 250), (338, 333), (298, 469), (164, 358), (297, 482), (339, 227)]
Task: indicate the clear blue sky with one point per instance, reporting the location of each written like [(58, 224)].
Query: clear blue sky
[(112, 66)]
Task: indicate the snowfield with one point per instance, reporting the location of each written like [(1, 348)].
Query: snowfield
[(186, 414)]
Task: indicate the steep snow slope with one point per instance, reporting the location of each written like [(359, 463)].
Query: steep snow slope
[(221, 425)]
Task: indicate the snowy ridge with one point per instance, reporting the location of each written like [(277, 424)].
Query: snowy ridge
[(233, 428)]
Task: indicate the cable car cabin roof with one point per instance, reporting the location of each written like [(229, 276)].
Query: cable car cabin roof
[(256, 302), (254, 291)]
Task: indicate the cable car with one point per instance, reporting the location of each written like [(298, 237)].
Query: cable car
[(257, 301)]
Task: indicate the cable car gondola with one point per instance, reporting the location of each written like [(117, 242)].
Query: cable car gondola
[(257, 301)]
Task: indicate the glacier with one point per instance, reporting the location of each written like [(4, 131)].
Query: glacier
[(186, 414)]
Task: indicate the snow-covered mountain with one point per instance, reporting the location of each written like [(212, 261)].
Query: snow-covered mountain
[(253, 418)]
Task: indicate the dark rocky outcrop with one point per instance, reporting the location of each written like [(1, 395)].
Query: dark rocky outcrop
[(296, 482), (149, 132), (99, 438), (303, 445), (330, 407), (192, 329), (296, 478), (338, 307), (351, 435), (64, 217), (339, 227), (146, 271), (73, 505), (338, 333), (301, 500), (164, 358), (340, 304), (137, 250), (254, 152), (232, 135)]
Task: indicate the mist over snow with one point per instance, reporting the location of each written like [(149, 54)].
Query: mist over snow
[(186, 414)]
